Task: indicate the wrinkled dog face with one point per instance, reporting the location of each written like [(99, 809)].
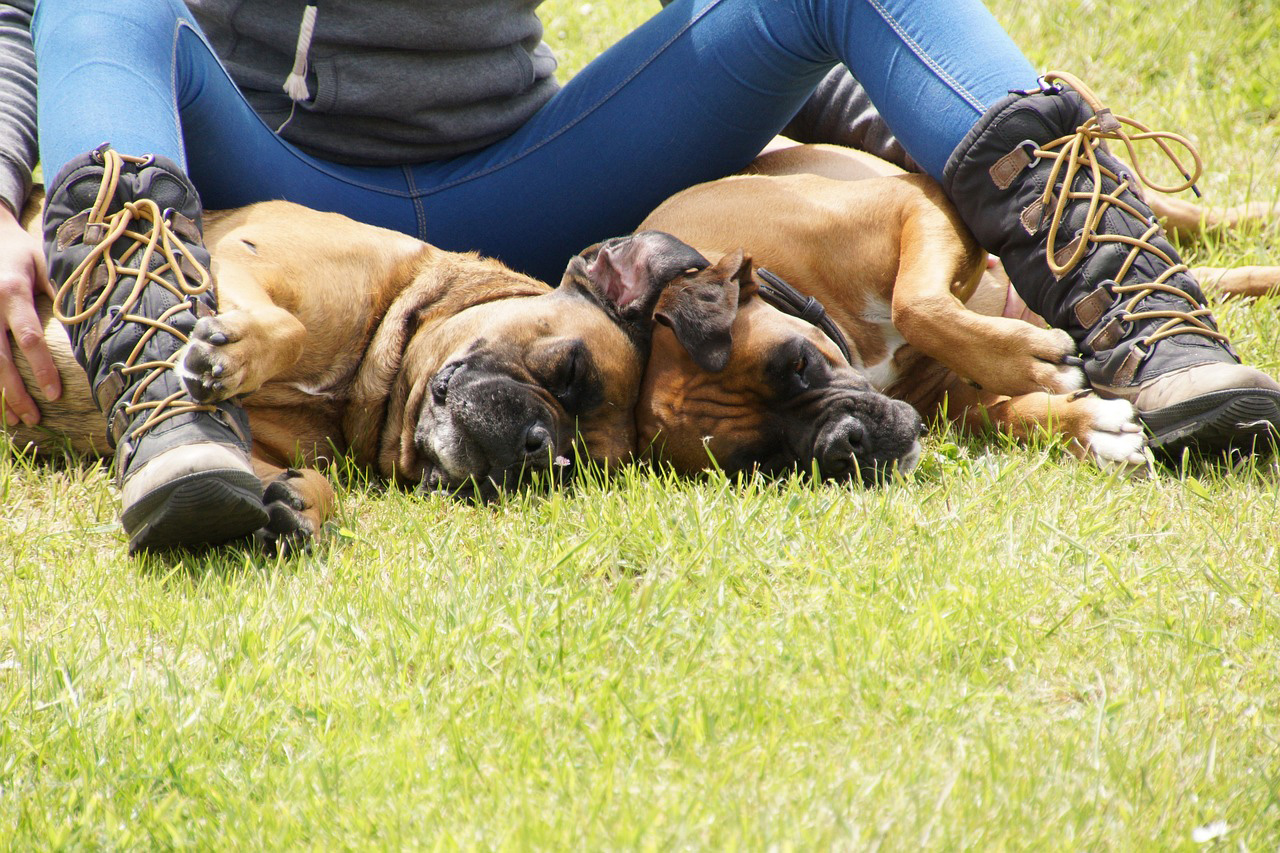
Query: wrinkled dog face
[(733, 379), (511, 387)]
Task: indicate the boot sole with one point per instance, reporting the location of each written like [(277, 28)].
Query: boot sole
[(204, 508), (1246, 420)]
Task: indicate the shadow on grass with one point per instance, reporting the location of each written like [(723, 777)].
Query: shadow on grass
[(241, 559), (1237, 467)]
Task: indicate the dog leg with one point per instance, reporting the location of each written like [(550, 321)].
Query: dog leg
[(1242, 282), (999, 354), (72, 422), (1187, 220), (249, 342), (298, 501), (1103, 431)]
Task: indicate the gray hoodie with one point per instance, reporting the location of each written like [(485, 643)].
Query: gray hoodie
[(17, 103), (387, 82)]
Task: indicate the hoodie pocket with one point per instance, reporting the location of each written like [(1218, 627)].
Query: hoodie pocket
[(401, 85)]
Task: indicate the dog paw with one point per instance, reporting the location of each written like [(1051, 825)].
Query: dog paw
[(1112, 436), (1054, 364), (209, 367), (1018, 358), (289, 530)]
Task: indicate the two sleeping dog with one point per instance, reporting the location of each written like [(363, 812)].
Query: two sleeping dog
[(454, 372)]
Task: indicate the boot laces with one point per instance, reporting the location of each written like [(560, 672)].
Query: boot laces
[(157, 239), (1072, 153)]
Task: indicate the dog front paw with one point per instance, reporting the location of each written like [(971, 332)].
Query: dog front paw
[(210, 367), (1016, 358), (1053, 363)]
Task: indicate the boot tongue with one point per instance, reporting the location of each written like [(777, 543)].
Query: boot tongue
[(166, 191)]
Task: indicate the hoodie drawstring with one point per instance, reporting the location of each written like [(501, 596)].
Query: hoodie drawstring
[(295, 85)]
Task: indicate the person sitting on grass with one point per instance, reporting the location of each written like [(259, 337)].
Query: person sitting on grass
[(445, 121)]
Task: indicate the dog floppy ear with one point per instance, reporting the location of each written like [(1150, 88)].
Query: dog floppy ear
[(630, 272), (700, 309)]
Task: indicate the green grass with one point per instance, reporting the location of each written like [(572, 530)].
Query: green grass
[(1011, 650)]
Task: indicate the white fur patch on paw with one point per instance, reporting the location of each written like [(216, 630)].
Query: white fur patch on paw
[(1070, 377), (1114, 437)]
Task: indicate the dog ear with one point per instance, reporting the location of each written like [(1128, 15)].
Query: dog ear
[(700, 309), (631, 272)]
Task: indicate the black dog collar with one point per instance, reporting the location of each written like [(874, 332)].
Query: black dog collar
[(788, 300)]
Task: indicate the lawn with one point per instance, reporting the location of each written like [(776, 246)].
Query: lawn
[(1009, 650)]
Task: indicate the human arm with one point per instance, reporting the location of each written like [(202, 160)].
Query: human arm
[(22, 267)]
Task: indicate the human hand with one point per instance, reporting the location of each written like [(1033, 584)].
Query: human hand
[(22, 275)]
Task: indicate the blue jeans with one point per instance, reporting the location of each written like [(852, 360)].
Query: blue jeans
[(691, 95)]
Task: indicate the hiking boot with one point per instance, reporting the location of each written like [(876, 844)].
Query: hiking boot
[(1035, 182), (126, 253)]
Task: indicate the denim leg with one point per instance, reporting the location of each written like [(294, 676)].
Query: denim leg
[(931, 67), (94, 89)]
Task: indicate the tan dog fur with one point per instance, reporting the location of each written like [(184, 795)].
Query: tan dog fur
[(317, 311), (886, 254)]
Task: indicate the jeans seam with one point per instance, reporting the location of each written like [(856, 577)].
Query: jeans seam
[(173, 90), (924, 57), (419, 210), (582, 114)]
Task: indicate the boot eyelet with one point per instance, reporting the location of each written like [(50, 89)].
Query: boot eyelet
[(1047, 88), (113, 321)]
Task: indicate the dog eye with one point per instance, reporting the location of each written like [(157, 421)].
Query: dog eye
[(565, 383), (798, 367), (800, 370), (568, 373)]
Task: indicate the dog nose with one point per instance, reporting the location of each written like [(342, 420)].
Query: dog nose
[(845, 444), (538, 442)]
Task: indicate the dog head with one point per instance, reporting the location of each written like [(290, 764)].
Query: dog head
[(492, 376), (734, 382)]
